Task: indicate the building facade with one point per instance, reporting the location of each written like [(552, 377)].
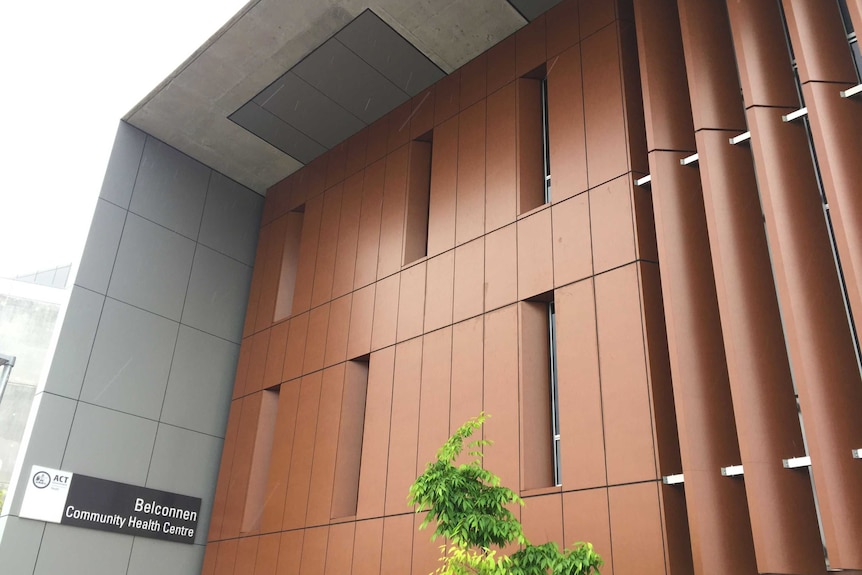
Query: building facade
[(627, 230)]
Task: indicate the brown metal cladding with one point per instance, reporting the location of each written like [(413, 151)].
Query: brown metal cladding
[(636, 529), (411, 302), (535, 392), (721, 540), (573, 256), (390, 254), (586, 518), (404, 427), (439, 291), (246, 553), (368, 241), (349, 456), (470, 194), (836, 127), (378, 361), (781, 506), (818, 337), (501, 394), (582, 442), (826, 68), (375, 438), (314, 545), (566, 113), (339, 549), (434, 396), (444, 178), (311, 220), (466, 399), (302, 454), (290, 552), (267, 554), (629, 442), (325, 447), (367, 543), (279, 467), (501, 267), (324, 268), (500, 154), (397, 553), (535, 255)]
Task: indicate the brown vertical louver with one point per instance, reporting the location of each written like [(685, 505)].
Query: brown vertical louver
[(781, 504), (708, 441), (818, 336)]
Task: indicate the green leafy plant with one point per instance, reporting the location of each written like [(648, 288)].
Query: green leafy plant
[(471, 510)]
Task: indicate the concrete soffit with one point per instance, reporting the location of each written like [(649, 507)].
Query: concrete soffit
[(190, 109)]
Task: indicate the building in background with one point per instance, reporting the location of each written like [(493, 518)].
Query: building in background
[(629, 230), (29, 309)]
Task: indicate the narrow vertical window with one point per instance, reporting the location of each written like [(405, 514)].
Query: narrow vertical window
[(346, 488), (533, 152), (540, 462), (289, 229), (418, 199), (263, 440), (555, 394), (546, 143)]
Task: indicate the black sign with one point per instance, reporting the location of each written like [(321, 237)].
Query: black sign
[(121, 508)]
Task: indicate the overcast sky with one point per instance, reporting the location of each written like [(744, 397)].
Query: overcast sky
[(71, 70)]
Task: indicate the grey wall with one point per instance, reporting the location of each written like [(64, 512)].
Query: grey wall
[(140, 383)]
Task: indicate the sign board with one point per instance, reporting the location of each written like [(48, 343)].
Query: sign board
[(73, 499)]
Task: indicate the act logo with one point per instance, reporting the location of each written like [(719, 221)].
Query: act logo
[(42, 480)]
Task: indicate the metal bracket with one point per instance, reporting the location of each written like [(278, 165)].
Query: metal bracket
[(673, 479), (731, 471), (800, 113), (743, 137), (796, 462), (857, 453), (644, 181), (850, 92), (688, 160)]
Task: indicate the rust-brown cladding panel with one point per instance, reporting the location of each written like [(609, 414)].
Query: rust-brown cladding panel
[(444, 178), (404, 428), (582, 441), (820, 347), (279, 468), (566, 114), (296, 500), (500, 171), (325, 447), (267, 554), (324, 268), (442, 339), (470, 195)]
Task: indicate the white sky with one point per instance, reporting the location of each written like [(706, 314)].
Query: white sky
[(71, 70)]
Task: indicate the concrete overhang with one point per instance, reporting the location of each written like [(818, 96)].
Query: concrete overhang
[(190, 110)]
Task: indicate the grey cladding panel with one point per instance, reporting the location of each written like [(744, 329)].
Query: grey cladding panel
[(270, 128), (231, 219), (350, 81), (302, 106), (111, 445), (531, 9), (151, 556), (102, 242), (170, 189), (131, 357), (201, 381), (76, 551), (378, 44), (152, 268)]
